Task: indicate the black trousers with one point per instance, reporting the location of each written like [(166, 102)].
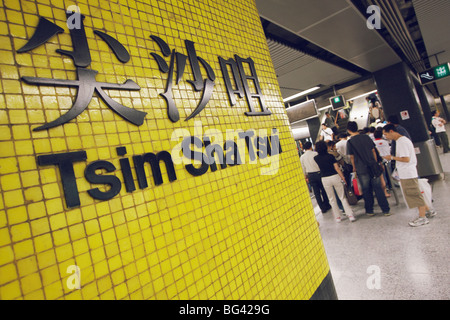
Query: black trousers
[(444, 140), (315, 181)]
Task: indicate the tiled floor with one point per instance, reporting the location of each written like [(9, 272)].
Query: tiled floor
[(412, 263)]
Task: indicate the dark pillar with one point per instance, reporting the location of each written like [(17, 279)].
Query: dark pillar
[(397, 93), (314, 126), (426, 100), (445, 108), (400, 91)]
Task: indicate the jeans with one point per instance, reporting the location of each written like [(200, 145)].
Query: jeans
[(369, 185), (333, 186), (315, 181)]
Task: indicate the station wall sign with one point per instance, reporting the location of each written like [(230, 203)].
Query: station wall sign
[(435, 74), (109, 189)]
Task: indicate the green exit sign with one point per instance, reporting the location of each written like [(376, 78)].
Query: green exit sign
[(337, 102), (435, 74), (442, 71)]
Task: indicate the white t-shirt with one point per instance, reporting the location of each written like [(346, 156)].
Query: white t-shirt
[(341, 148), (308, 163), (405, 148), (383, 147), (438, 124), (327, 134)]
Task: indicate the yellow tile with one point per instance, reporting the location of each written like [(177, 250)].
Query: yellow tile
[(53, 291), (92, 227), (35, 295), (10, 291), (51, 190), (13, 86), (6, 57), (77, 232), (10, 182), (27, 163), (13, 198), (61, 237), (101, 269), (40, 226), (20, 232), (8, 165), (23, 249), (8, 273), (30, 283), (50, 275), (64, 253)]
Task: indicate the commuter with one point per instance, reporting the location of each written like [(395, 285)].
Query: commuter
[(331, 122), (371, 132), (382, 144), (333, 181), (384, 149), (341, 148), (406, 162), (375, 109), (331, 145), (363, 154), (326, 134), (312, 175), (432, 132), (393, 119), (376, 112), (439, 125)]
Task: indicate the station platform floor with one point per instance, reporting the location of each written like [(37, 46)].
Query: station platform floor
[(383, 258)]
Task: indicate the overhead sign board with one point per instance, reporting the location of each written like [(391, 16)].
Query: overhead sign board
[(435, 74), (302, 111), (337, 102)]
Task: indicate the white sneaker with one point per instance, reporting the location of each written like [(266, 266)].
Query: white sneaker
[(338, 219), (419, 222), (430, 214), (351, 218)]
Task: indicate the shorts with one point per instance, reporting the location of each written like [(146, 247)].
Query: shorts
[(411, 192)]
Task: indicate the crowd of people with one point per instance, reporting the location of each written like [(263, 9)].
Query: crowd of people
[(363, 156)]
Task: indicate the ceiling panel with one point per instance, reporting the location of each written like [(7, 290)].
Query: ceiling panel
[(296, 15), (311, 75), (334, 25), (345, 34), (376, 59), (286, 59)]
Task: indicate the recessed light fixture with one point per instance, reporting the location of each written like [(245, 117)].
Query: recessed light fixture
[(363, 95), (301, 94)]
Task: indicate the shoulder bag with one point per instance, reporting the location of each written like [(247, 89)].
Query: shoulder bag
[(374, 169)]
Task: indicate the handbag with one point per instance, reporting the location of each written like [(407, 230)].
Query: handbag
[(350, 195), (356, 184), (374, 169), (427, 192)]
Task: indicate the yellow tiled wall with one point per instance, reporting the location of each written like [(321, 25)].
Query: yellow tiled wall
[(230, 234)]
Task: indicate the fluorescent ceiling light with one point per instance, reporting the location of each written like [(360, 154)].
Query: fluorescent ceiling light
[(325, 108), (363, 95), (301, 94)]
